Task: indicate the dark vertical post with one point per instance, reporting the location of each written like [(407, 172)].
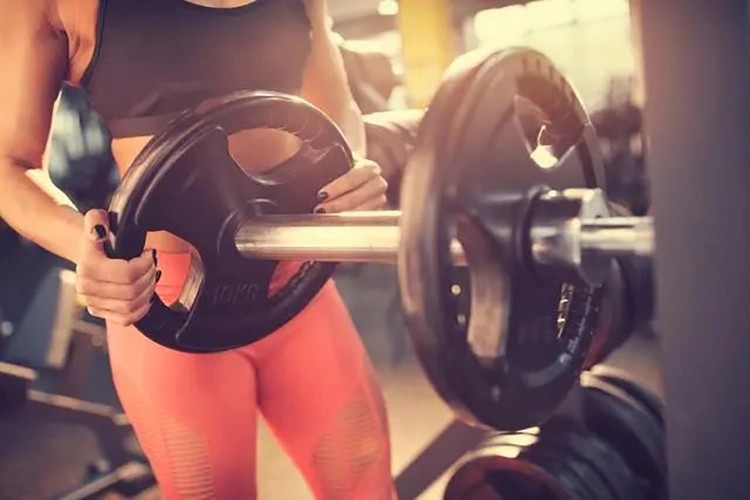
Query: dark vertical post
[(696, 71)]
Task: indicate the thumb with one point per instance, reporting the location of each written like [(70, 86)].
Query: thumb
[(96, 227)]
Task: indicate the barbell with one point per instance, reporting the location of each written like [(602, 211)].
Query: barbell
[(503, 243), (563, 242)]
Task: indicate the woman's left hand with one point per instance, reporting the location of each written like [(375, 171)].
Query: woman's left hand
[(361, 188)]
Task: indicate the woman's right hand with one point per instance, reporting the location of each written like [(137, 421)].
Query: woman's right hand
[(116, 290)]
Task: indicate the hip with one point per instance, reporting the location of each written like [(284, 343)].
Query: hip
[(326, 312)]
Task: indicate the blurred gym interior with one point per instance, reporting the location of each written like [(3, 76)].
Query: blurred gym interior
[(71, 439)]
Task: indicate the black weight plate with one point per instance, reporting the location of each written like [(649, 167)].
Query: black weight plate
[(601, 457), (186, 182), (563, 442), (650, 401), (574, 476), (494, 472), (613, 327), (631, 429), (638, 273), (638, 280), (524, 344)]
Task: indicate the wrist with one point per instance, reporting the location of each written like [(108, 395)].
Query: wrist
[(74, 221)]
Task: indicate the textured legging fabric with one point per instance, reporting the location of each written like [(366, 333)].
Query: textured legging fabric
[(195, 415)]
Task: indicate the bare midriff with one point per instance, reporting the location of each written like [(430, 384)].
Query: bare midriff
[(256, 151)]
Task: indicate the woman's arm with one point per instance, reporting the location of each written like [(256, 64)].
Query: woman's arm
[(325, 83), (34, 62)]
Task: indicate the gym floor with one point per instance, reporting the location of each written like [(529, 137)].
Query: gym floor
[(38, 461)]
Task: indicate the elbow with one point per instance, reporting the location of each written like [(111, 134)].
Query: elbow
[(21, 160), (21, 150)]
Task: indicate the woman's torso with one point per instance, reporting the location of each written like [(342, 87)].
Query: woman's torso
[(194, 53)]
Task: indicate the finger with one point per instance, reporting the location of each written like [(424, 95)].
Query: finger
[(93, 292), (119, 318), (349, 201), (96, 227), (354, 178), (373, 204), (121, 307), (100, 268), (142, 265)]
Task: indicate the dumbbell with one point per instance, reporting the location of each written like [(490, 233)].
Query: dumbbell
[(615, 451)]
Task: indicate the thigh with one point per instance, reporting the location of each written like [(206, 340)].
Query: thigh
[(319, 396), (194, 415)]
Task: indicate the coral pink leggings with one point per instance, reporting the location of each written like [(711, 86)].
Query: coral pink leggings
[(195, 414)]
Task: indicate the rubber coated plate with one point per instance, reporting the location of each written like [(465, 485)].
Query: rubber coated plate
[(650, 401), (629, 427), (186, 182), (598, 454), (506, 355), (493, 472), (613, 327), (573, 476)]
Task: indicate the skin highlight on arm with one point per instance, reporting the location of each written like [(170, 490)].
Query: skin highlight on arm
[(34, 54), (326, 83)]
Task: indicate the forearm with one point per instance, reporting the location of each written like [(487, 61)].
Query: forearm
[(337, 102), (391, 137), (353, 126), (35, 213)]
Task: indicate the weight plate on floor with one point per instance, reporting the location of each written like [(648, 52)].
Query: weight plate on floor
[(574, 476), (650, 401), (628, 427), (494, 472), (600, 456), (187, 182), (503, 127)]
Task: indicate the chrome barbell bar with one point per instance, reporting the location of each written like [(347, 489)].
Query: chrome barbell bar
[(374, 237)]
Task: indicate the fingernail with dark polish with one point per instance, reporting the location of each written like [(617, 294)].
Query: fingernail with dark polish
[(101, 231), (320, 210), (158, 275), (322, 196), (156, 259)]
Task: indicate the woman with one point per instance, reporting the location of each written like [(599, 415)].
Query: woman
[(143, 61)]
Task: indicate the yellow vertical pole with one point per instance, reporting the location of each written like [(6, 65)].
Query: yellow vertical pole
[(429, 45), (639, 94)]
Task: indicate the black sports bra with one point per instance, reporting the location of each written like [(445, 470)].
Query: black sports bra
[(155, 58)]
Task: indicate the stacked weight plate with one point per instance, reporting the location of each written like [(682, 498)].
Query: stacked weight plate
[(614, 451)]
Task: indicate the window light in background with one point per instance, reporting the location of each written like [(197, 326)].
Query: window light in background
[(509, 25), (388, 7), (504, 26), (550, 13), (592, 10)]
